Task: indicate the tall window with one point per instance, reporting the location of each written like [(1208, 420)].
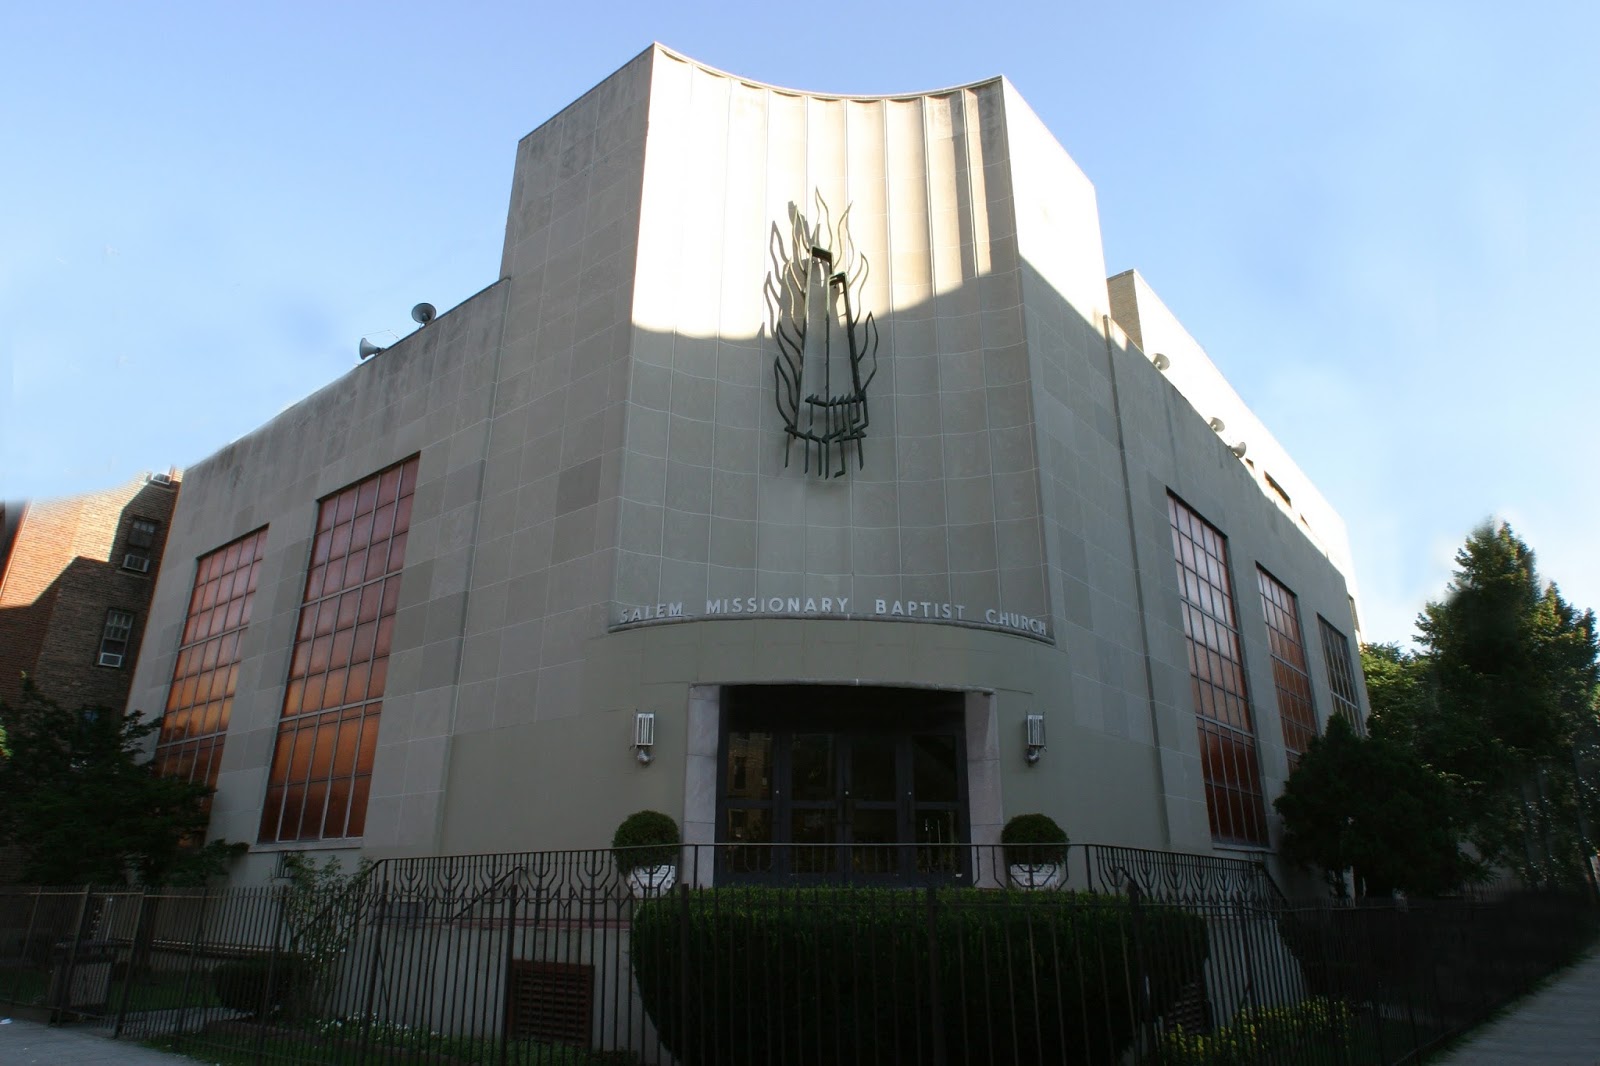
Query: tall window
[(141, 539), (1216, 669), (1289, 677), (114, 638), (200, 699), (1341, 674), (322, 766)]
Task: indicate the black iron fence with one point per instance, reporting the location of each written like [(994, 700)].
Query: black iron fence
[(729, 956)]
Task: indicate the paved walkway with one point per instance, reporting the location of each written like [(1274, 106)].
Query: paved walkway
[(32, 1044), (1559, 1026)]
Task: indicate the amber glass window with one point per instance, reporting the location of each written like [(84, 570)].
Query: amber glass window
[(1341, 674), (1216, 669), (322, 765), (1289, 677), (207, 669)]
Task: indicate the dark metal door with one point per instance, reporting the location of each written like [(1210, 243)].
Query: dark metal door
[(868, 785)]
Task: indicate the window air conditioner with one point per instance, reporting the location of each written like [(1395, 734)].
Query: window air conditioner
[(110, 658), (160, 479), (140, 563)]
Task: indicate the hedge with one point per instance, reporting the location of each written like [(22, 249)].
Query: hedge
[(844, 975), (240, 984)]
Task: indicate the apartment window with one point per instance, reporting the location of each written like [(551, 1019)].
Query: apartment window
[(206, 673), (141, 542), (322, 765), (1295, 710), (114, 638), (1341, 675), (1234, 800)]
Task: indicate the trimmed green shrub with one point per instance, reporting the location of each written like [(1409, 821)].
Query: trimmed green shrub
[(240, 984), (1033, 840), (646, 838), (858, 976), (1259, 1032)]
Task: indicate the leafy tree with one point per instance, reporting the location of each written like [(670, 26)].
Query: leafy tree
[(322, 907), (1367, 805), (1399, 692), (84, 805), (1504, 682), (1515, 669)]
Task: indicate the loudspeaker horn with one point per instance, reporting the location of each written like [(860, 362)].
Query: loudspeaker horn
[(423, 313), (368, 349)]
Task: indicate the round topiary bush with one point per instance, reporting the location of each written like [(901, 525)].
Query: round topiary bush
[(646, 838), (1034, 840)]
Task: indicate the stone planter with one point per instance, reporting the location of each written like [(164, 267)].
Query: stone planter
[(1035, 875), (647, 881)]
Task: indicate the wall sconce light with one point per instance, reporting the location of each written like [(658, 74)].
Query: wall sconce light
[(1033, 728), (644, 735)]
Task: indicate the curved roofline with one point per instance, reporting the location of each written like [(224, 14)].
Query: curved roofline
[(787, 91)]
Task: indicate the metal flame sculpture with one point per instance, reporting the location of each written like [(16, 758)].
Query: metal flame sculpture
[(813, 298)]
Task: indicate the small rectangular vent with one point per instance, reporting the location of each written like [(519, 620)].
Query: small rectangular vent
[(550, 1001)]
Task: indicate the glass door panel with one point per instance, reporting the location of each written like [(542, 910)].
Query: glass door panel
[(814, 801), (874, 775), (873, 789), (749, 767), (938, 837), (933, 763), (746, 830), (813, 768), (870, 827), (747, 802), (936, 798), (812, 831)]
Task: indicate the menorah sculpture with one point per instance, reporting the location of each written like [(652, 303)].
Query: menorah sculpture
[(809, 298)]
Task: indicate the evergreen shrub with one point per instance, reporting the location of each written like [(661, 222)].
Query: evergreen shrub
[(240, 983), (1033, 840), (646, 838), (848, 975)]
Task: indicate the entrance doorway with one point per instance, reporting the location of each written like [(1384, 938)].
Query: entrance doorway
[(826, 782)]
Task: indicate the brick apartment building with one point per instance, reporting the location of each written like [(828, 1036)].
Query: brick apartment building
[(76, 576)]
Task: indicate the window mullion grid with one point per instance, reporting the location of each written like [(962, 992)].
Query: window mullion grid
[(185, 717), (325, 783), (1234, 797)]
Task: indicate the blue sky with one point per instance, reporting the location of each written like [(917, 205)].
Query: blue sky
[(1380, 219)]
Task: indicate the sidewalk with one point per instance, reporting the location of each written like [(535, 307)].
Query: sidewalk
[(32, 1044), (1559, 1026)]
